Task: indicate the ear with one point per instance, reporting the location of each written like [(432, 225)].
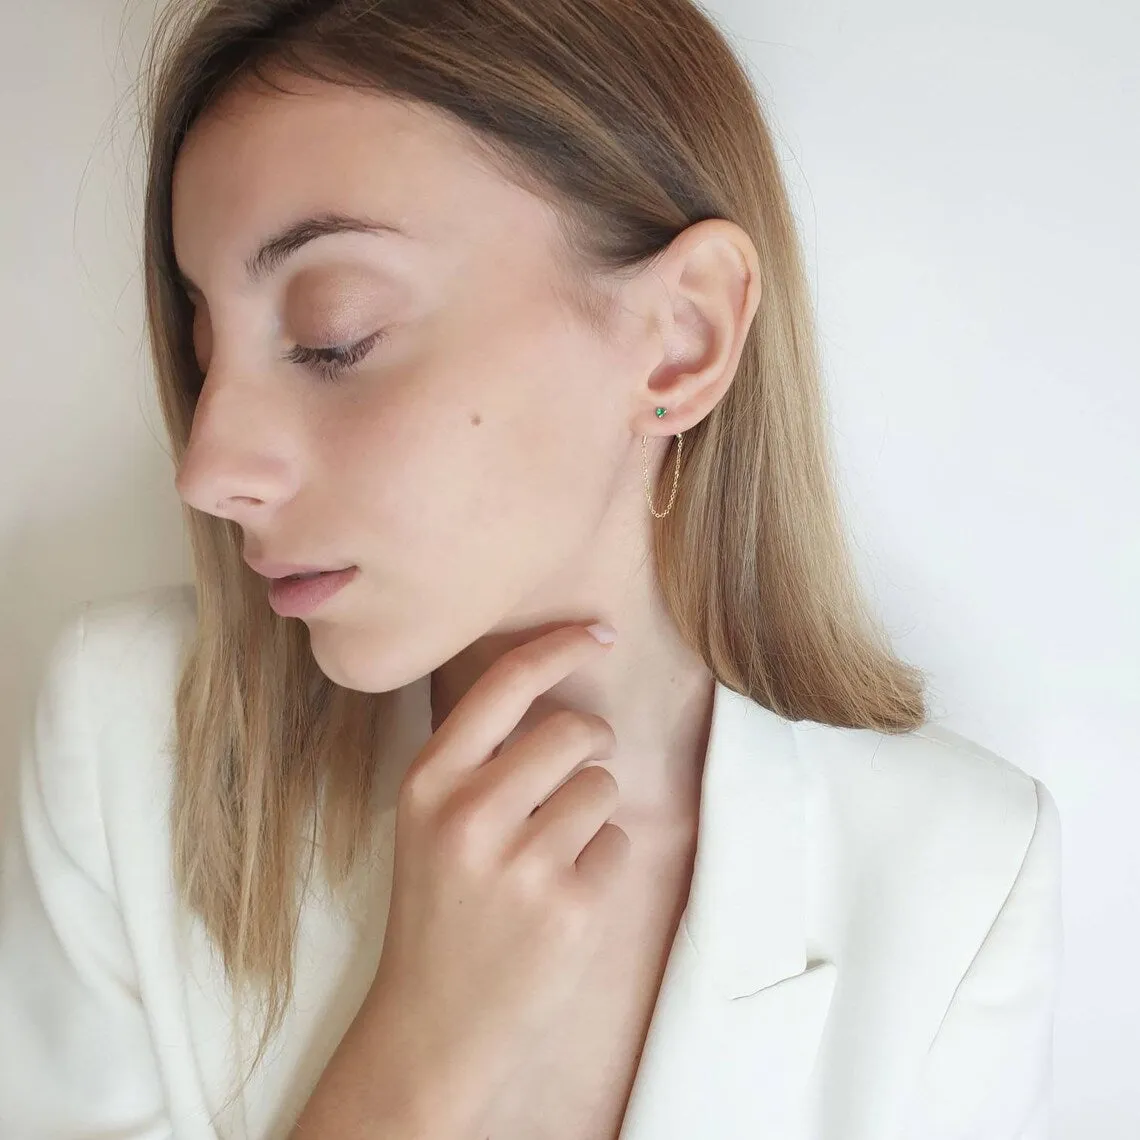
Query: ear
[(703, 304)]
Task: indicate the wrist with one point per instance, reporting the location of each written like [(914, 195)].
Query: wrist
[(428, 1076)]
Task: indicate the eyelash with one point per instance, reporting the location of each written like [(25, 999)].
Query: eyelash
[(330, 363)]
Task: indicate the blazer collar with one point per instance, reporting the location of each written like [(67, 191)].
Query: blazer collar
[(733, 1042), (745, 913)]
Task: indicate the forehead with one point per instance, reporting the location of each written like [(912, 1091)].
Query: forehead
[(260, 159)]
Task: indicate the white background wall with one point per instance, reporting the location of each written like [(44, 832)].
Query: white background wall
[(968, 181)]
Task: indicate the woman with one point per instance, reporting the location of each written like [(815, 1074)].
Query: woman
[(493, 313)]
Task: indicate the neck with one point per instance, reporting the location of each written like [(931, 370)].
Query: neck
[(656, 694)]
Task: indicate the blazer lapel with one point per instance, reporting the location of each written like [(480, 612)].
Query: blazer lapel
[(737, 1024)]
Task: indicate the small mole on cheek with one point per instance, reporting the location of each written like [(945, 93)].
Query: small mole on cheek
[(476, 419)]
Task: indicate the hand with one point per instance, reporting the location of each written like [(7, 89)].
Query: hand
[(504, 861)]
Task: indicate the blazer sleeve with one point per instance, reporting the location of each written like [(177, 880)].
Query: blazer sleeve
[(988, 1073), (77, 1055)]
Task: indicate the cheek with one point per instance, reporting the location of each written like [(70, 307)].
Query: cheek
[(453, 517), (419, 474), (496, 464)]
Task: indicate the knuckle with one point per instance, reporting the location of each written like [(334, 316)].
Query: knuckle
[(416, 795), (464, 833), (584, 731), (603, 736), (532, 874), (570, 919), (603, 779), (566, 724)]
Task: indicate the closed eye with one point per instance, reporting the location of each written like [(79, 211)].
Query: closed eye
[(330, 363)]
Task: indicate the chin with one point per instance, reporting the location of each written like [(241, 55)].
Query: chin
[(367, 659)]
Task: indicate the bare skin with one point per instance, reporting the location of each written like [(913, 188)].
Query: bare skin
[(481, 465), (525, 940), (577, 1081)]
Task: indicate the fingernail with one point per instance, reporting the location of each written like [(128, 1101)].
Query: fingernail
[(603, 632)]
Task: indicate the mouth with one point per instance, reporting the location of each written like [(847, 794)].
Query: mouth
[(276, 571), (299, 594), (306, 575)]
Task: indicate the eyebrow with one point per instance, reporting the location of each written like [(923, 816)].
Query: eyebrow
[(283, 244)]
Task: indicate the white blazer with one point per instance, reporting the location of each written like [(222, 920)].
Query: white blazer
[(870, 950)]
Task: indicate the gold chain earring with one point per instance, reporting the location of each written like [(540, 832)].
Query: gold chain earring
[(676, 473)]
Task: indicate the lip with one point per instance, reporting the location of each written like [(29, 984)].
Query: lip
[(284, 569), (298, 598)]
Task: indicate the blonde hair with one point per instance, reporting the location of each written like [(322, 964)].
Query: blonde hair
[(635, 120)]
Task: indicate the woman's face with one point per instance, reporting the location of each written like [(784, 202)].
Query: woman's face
[(466, 462)]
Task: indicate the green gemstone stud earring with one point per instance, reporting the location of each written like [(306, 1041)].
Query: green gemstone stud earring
[(645, 472)]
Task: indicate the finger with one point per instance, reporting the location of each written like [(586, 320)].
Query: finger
[(528, 772), (570, 819), (602, 860), (491, 709)]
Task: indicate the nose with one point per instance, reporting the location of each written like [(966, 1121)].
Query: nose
[(240, 462)]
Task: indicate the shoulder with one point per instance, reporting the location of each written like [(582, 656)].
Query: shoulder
[(115, 663), (924, 787), (934, 886), (85, 930), (116, 659), (943, 826), (125, 641), (104, 701)]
